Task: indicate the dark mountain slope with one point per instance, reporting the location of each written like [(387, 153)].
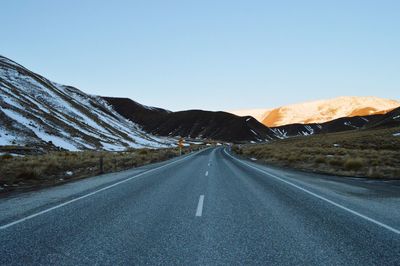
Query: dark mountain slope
[(136, 112), (389, 119), (337, 125), (193, 123)]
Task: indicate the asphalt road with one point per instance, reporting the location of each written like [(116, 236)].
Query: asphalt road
[(208, 208)]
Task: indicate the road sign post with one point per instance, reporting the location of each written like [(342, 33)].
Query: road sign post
[(180, 144)]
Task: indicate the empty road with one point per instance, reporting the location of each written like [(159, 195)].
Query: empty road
[(207, 208)]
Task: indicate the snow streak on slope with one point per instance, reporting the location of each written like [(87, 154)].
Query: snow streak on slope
[(322, 111), (37, 112)]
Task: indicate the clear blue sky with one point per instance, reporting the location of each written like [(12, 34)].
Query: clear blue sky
[(217, 55)]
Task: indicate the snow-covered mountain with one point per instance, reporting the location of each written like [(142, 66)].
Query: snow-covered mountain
[(321, 111), (36, 112)]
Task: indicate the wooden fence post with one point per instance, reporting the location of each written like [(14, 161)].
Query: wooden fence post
[(101, 166)]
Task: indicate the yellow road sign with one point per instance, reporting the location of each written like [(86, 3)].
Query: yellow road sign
[(180, 143)]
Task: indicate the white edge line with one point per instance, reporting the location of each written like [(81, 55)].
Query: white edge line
[(199, 210), (90, 194), (394, 230)]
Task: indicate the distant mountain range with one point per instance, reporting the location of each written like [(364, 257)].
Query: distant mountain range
[(321, 111), (36, 112), (198, 124)]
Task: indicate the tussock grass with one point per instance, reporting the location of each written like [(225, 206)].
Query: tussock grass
[(61, 166), (6, 156), (364, 153), (353, 164)]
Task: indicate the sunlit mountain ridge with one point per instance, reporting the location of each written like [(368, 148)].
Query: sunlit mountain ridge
[(321, 111)]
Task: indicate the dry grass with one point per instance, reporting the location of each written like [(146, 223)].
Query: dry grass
[(364, 153), (58, 167)]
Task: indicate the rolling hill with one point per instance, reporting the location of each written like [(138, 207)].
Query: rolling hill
[(194, 124)]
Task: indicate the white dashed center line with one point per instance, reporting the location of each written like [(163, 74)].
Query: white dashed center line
[(199, 210), (206, 173)]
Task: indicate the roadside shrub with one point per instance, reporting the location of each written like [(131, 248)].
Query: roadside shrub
[(28, 174), (169, 154), (353, 164), (336, 162), (252, 152), (6, 156), (237, 150), (397, 173), (320, 159), (143, 152), (53, 166), (293, 158)]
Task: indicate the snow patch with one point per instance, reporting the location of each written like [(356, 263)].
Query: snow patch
[(69, 173)]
